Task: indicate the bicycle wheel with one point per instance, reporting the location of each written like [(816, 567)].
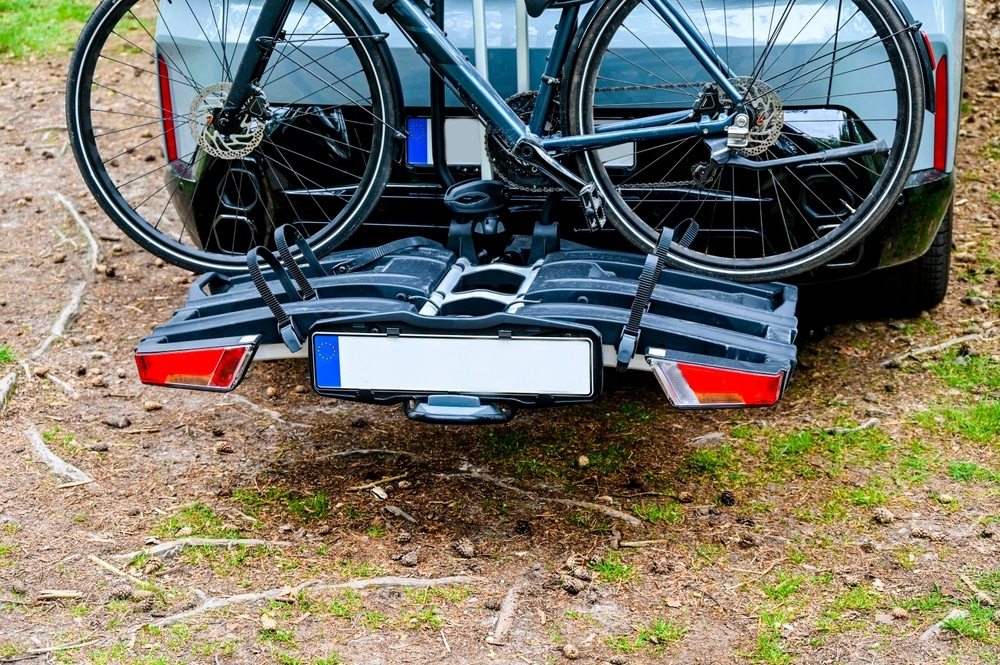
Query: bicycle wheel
[(816, 75), (144, 81)]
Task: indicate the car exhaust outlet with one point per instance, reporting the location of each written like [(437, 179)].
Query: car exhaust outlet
[(213, 368), (694, 386)]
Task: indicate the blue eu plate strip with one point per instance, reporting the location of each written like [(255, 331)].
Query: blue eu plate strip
[(327, 361), (416, 141)]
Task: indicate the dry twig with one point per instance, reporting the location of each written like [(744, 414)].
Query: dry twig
[(95, 249), (871, 422), (506, 617), (65, 318), (111, 569), (54, 462), (58, 594), (270, 413), (61, 647), (368, 486), (169, 548)]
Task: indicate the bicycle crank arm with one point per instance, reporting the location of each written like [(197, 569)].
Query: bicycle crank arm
[(721, 155), (532, 154)]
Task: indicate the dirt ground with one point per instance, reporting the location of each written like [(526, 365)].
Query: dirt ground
[(853, 523)]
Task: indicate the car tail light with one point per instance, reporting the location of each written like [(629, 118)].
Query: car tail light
[(688, 385), (941, 127), (167, 107), (214, 368)]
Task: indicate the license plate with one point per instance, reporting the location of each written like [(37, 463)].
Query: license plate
[(468, 365)]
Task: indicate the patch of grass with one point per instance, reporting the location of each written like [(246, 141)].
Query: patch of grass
[(969, 472), (345, 606), (352, 569), (374, 620), (315, 507), (979, 423), (657, 636), (612, 569), (223, 561), (713, 462), (7, 354), (709, 552), (658, 512), (39, 26), (427, 617), (277, 636), (968, 372), (60, 437), (201, 519), (287, 658), (583, 519), (330, 659), (770, 645), (857, 598), (611, 460), (6, 552), (783, 587), (503, 443), (991, 150)]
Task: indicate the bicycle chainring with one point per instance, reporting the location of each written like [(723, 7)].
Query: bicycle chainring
[(238, 144), (768, 116), (507, 167)]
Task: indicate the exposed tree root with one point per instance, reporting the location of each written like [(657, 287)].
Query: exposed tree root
[(54, 462), (596, 507), (65, 318), (208, 604), (7, 385), (95, 249), (270, 413), (172, 547), (913, 353)]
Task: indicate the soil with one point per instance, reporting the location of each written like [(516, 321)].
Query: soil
[(761, 540)]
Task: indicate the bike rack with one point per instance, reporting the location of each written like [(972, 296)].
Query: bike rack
[(709, 342)]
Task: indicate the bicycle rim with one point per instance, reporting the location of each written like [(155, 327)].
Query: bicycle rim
[(144, 82), (817, 75)]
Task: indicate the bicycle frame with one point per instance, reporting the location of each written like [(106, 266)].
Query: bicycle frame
[(480, 97)]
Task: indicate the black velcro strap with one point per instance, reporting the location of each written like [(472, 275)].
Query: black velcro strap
[(281, 241), (373, 255), (286, 327), (648, 278)]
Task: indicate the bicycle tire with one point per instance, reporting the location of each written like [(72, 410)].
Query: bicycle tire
[(145, 78), (819, 74)]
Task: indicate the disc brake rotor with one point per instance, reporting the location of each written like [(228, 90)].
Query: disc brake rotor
[(233, 146), (769, 117)]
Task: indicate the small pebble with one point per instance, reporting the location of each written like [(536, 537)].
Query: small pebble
[(583, 461), (99, 447), (899, 613), (945, 498), (271, 391), (409, 559), (118, 422), (152, 406), (59, 258), (300, 389), (570, 651)]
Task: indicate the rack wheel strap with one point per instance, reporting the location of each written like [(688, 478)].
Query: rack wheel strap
[(286, 326), (650, 275)]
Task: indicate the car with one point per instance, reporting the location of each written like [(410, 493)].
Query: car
[(909, 248)]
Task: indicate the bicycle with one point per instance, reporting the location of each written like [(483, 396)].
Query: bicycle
[(785, 130)]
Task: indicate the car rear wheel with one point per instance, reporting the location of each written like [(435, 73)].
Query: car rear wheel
[(314, 150)]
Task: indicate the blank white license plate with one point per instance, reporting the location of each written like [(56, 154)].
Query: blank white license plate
[(460, 364)]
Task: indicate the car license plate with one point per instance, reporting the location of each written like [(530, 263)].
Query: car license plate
[(470, 365)]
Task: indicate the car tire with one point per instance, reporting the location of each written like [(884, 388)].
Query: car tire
[(920, 284)]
